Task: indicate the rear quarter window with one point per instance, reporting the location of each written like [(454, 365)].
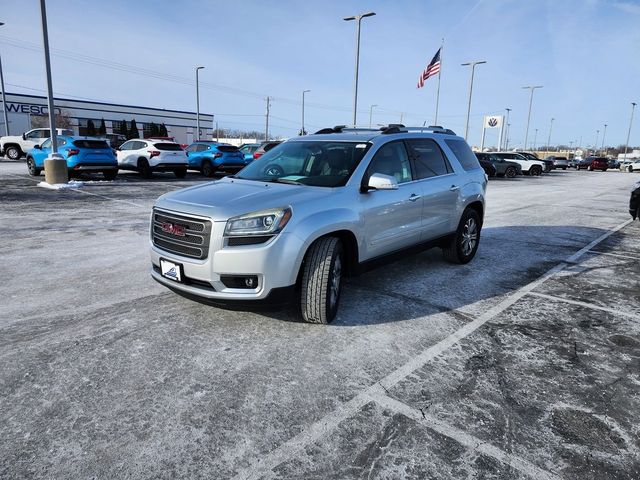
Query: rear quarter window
[(463, 153)]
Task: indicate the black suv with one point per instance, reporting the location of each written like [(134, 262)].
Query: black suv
[(504, 168)]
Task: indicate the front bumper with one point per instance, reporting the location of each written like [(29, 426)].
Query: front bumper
[(275, 263)]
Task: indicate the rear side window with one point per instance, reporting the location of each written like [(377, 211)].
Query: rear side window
[(168, 147), (90, 144), (227, 148), (428, 158), (463, 153)]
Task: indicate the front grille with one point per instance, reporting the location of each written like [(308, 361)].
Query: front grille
[(182, 235)]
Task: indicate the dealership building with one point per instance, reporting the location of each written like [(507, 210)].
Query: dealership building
[(30, 111)]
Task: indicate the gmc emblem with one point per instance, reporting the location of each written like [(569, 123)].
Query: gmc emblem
[(173, 229)]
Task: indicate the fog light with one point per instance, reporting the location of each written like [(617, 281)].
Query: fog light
[(240, 281), (249, 282)]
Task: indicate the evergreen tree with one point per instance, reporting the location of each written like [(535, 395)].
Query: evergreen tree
[(133, 130), (123, 129), (155, 131), (91, 128), (162, 131), (102, 130)]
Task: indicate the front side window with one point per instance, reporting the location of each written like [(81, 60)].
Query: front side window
[(46, 143), (36, 134), (315, 163), (392, 159), (429, 159), (127, 146)]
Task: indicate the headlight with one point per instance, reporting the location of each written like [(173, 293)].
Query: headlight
[(264, 222)]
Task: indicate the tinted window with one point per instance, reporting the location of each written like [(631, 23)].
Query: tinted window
[(392, 159), (227, 148), (463, 153), (127, 146), (138, 145), (428, 159), (172, 147), (46, 143), (91, 144)]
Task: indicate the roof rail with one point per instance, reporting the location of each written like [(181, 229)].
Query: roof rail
[(430, 129), (385, 129)]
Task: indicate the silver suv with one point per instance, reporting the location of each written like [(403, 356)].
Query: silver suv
[(292, 224)]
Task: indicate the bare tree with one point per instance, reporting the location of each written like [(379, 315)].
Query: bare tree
[(63, 120)]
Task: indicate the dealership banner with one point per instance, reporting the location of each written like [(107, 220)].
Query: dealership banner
[(493, 121)]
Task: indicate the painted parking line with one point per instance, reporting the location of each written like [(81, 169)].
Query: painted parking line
[(633, 316), (263, 466), (463, 438), (616, 255)]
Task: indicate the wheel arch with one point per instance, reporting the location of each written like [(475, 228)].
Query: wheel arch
[(351, 251), (478, 207)]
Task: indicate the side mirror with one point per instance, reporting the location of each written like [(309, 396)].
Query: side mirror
[(117, 149), (24, 136), (37, 147), (378, 181)]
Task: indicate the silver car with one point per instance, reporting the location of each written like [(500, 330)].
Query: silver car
[(292, 224)]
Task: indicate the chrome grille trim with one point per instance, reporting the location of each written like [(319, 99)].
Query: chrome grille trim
[(194, 243)]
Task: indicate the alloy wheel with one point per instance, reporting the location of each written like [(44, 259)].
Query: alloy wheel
[(469, 236), (336, 277)]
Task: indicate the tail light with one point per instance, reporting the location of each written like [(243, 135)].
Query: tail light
[(153, 153), (217, 155), (72, 151), (257, 155)]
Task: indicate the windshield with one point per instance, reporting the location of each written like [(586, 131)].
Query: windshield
[(320, 163)]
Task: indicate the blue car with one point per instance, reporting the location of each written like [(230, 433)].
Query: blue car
[(248, 149), (212, 157), (83, 154)]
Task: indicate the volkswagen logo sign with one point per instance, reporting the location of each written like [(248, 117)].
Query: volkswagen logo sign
[(493, 122)]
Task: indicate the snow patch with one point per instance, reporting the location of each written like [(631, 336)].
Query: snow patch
[(61, 186)]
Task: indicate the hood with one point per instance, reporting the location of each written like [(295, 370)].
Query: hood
[(228, 197)]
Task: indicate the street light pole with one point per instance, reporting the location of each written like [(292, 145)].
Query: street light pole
[(595, 145), (506, 136), (549, 138), (626, 144), (55, 166), (302, 132), (358, 18), (371, 115), (526, 135), (473, 68), (4, 99), (604, 133), (198, 104), (266, 129), (535, 138)]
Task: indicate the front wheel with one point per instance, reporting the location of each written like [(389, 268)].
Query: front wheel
[(322, 280), (536, 170), (31, 165), (207, 168), (510, 172), (144, 168), (630, 169), (464, 244)]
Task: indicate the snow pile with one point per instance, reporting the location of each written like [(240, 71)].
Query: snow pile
[(61, 186)]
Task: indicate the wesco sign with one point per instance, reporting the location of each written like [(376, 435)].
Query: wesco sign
[(29, 108)]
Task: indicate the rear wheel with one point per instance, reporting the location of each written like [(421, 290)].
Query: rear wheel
[(630, 169), (31, 165), (13, 153), (207, 168), (322, 280), (144, 168), (564, 168), (510, 172), (464, 244), (536, 170), (180, 172), (110, 174)]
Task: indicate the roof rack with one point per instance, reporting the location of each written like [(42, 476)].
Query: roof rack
[(385, 129)]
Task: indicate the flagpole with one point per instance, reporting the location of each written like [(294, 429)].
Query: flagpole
[(438, 93)]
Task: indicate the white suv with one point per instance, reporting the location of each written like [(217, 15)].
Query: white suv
[(529, 167), (294, 222), (147, 156), (15, 146)]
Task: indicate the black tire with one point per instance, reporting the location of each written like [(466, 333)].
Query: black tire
[(180, 172), (322, 280), (207, 169), (31, 166), (630, 169), (536, 170), (13, 153), (110, 174), (464, 243), (510, 172), (144, 168), (564, 168)]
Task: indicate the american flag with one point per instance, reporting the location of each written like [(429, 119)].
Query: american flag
[(432, 69)]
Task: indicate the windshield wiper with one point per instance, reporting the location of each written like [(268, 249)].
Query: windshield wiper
[(286, 180)]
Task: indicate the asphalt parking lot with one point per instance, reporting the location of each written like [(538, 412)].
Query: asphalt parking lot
[(524, 363)]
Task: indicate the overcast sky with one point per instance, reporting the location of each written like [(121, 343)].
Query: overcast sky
[(586, 54)]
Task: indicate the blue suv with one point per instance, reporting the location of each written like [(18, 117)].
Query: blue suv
[(83, 154), (212, 157)]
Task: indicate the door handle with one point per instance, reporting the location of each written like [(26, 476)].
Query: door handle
[(454, 188), (414, 197)]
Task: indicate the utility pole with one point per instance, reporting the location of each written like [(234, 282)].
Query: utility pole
[(217, 133), (473, 68), (626, 144), (526, 135), (506, 146), (535, 138), (266, 129), (549, 138), (595, 145), (198, 104), (4, 99), (302, 132), (358, 19), (371, 115), (401, 117)]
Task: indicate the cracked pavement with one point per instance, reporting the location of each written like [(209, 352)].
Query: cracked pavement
[(522, 364)]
